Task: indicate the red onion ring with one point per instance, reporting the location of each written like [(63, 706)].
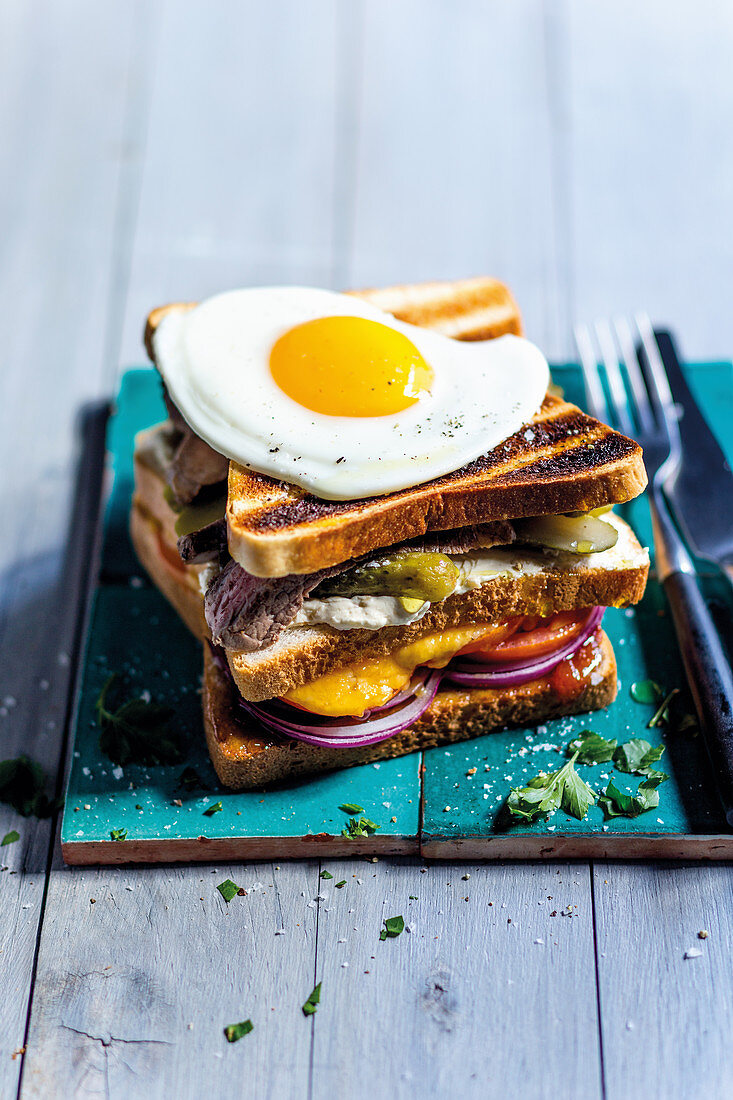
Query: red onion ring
[(350, 734), (407, 706), (514, 673)]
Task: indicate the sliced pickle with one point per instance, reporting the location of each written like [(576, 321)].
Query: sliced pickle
[(415, 574), (410, 605), (574, 534), (195, 516)]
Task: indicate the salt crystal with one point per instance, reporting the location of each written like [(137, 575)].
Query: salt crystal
[(693, 953)]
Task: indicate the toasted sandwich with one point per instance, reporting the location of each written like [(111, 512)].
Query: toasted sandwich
[(462, 594)]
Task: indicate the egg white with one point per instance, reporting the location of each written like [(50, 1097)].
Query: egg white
[(215, 362)]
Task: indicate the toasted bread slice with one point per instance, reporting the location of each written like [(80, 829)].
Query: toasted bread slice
[(245, 756), (481, 308), (563, 461)]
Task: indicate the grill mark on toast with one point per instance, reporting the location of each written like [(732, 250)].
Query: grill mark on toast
[(565, 442)]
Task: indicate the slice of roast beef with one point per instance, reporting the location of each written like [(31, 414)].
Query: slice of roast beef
[(207, 544), (194, 464), (246, 613)]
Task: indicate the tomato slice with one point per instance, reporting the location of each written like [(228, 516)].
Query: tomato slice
[(525, 645)]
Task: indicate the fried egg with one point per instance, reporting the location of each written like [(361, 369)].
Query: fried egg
[(328, 392)]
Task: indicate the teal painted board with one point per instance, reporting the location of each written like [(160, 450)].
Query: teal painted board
[(689, 818), (137, 635), (134, 632)]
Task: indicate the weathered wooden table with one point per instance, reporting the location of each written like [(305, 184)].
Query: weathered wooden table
[(157, 151)]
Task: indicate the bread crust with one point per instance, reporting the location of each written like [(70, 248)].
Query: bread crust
[(245, 756)]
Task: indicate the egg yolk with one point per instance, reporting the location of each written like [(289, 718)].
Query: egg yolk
[(349, 366)]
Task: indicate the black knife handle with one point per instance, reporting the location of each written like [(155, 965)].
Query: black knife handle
[(709, 676)]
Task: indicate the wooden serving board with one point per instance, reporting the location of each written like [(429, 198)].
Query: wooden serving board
[(431, 803)]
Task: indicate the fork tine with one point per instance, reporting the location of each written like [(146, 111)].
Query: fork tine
[(593, 389), (615, 378), (633, 370), (657, 378)]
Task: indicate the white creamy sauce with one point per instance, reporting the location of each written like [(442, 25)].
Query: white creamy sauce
[(478, 567), (357, 612)]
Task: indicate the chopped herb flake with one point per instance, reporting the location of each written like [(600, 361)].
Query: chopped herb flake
[(393, 927), (118, 834), (361, 826), (190, 780), (340, 885), (228, 889), (10, 838), (234, 1032), (215, 808), (313, 1001), (647, 692), (592, 748), (325, 874), (637, 756), (136, 732), (661, 714), (351, 808), (615, 803)]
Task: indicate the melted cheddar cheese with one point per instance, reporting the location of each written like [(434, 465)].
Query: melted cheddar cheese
[(356, 688)]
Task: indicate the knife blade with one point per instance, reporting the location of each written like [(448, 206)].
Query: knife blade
[(702, 492)]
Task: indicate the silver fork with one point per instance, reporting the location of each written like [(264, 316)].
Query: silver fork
[(645, 410)]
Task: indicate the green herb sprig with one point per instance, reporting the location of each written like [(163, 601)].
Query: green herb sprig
[(551, 791), (356, 827), (136, 732), (22, 786)]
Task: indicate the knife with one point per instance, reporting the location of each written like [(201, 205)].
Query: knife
[(702, 491)]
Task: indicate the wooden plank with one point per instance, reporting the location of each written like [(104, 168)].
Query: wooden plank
[(665, 1018), (58, 241), (652, 227), (454, 172), (139, 973), (239, 174), (237, 189), (469, 1003)]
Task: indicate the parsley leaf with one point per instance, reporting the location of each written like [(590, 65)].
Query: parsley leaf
[(10, 838), (393, 927), (562, 788), (215, 808), (615, 803), (637, 756), (313, 1001), (136, 732), (118, 834), (646, 691), (234, 1032), (22, 785), (359, 827), (592, 748), (325, 874), (351, 808), (228, 889), (340, 885)]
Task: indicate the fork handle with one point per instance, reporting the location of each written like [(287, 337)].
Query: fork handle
[(709, 676)]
